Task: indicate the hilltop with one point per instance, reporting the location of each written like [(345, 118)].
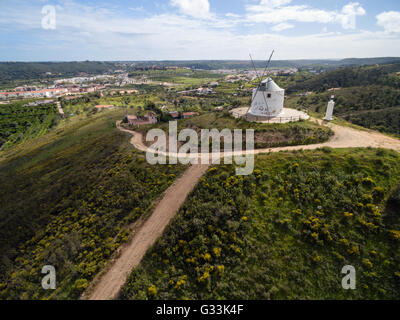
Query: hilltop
[(73, 189)]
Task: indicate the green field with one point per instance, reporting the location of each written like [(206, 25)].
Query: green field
[(284, 232)]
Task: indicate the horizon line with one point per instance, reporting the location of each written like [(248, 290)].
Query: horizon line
[(190, 60)]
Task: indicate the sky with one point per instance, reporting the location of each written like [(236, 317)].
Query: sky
[(71, 30)]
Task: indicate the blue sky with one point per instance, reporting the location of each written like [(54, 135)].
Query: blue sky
[(63, 30)]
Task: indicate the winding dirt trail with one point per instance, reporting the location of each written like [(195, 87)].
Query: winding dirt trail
[(344, 137), (110, 283)]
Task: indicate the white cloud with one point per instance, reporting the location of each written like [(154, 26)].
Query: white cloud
[(282, 26), (194, 8), (85, 32), (277, 13), (349, 14), (389, 20), (275, 3), (261, 13), (138, 9)]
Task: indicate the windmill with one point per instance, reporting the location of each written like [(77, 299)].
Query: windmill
[(267, 98)]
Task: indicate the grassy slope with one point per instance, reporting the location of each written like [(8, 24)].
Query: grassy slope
[(284, 232), (67, 199)]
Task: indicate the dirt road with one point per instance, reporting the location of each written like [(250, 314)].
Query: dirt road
[(111, 282), (344, 137)]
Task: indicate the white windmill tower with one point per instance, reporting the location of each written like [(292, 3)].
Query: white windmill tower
[(329, 109), (267, 99)]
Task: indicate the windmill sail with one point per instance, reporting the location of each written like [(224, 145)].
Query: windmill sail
[(262, 76)]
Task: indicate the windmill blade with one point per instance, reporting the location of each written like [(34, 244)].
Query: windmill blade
[(254, 66), (267, 65), (258, 77)]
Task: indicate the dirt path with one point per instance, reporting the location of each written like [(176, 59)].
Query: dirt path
[(110, 283), (344, 137), (60, 109)]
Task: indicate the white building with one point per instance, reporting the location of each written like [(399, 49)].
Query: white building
[(267, 100), (44, 93), (329, 109)]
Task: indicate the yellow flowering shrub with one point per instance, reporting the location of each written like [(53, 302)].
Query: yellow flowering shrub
[(152, 290)]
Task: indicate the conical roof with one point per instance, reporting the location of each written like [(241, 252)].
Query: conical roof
[(271, 85)]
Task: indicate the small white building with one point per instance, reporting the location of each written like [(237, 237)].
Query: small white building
[(329, 109), (267, 100)]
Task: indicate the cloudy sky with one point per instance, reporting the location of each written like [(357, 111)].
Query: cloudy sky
[(41, 30)]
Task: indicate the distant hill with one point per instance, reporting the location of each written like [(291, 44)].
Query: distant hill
[(10, 71), (246, 64), (34, 70)]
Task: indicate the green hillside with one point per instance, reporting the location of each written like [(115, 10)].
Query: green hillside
[(69, 199), (19, 123), (284, 232), (351, 76), (367, 96), (34, 70), (374, 107)]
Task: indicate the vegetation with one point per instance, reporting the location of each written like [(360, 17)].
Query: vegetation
[(368, 96), (16, 73), (353, 100), (19, 123), (69, 199), (284, 232), (11, 71), (180, 76), (387, 120), (240, 64), (374, 107), (351, 77)]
